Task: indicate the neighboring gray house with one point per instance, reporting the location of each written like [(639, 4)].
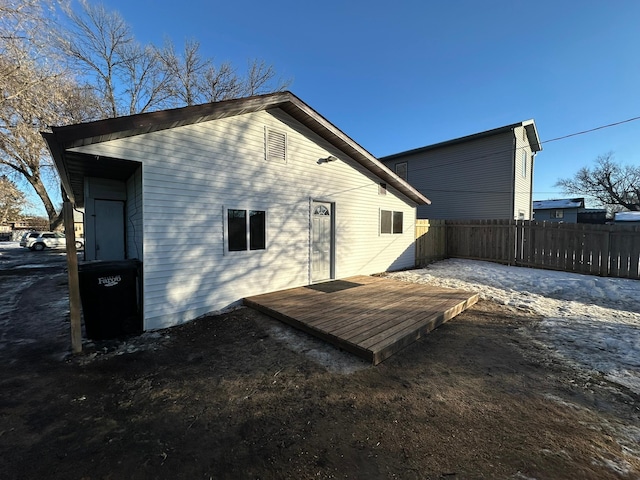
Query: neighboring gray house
[(488, 175), (231, 199), (560, 210)]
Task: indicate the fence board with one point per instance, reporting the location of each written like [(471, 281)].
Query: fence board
[(431, 241), (605, 250)]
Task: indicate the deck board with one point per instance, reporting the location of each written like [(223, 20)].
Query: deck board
[(372, 317)]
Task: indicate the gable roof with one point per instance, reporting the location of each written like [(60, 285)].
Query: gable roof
[(558, 204), (529, 126), (73, 166)]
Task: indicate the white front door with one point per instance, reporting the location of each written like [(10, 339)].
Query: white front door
[(321, 241), (109, 227)]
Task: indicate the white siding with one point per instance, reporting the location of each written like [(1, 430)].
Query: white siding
[(191, 173)]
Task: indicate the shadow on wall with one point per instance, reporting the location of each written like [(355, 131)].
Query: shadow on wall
[(187, 270)]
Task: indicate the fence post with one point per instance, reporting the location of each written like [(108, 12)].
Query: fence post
[(605, 253)]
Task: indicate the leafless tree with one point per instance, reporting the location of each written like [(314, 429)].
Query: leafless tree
[(194, 79), (12, 200), (112, 75), (611, 184), (125, 75)]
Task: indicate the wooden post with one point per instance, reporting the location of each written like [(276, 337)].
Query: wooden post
[(605, 253), (74, 283)]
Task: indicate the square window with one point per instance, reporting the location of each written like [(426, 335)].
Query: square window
[(246, 230), (391, 222)]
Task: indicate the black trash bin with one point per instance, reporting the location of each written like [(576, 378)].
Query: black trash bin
[(109, 291)]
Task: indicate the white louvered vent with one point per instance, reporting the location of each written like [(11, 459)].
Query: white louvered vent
[(276, 146)]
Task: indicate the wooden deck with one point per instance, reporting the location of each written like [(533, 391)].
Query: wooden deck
[(371, 317)]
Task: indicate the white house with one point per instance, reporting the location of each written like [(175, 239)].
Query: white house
[(230, 199)]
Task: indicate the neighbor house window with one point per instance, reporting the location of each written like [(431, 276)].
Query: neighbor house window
[(275, 146), (524, 164), (401, 170), (382, 189), (246, 230), (390, 222), (558, 214)]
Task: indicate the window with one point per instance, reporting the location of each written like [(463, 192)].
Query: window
[(524, 164), (401, 170), (390, 222), (246, 230), (382, 189), (520, 214), (557, 214), (275, 146)]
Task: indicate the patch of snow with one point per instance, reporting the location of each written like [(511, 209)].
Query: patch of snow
[(592, 321)]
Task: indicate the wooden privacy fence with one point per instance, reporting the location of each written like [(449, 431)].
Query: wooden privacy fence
[(606, 250), (431, 241)]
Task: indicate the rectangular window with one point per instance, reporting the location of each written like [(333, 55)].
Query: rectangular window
[(391, 222), (558, 214), (382, 189), (237, 222), (246, 230), (257, 230), (401, 170), (397, 222), (524, 164)]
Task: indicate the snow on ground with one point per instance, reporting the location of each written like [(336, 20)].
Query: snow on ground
[(592, 321)]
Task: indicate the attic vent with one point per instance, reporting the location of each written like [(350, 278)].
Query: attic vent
[(275, 146)]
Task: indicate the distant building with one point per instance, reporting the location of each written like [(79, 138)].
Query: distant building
[(487, 175), (627, 217), (560, 210)]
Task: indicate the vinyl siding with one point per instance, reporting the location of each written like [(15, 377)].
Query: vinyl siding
[(191, 173), (523, 195), (473, 180)]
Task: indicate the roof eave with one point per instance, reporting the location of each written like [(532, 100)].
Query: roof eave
[(67, 137)]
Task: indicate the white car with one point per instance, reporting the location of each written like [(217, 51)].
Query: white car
[(40, 240)]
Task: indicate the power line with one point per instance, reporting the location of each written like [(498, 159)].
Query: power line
[(513, 150)]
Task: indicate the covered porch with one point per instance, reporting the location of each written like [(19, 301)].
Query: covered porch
[(372, 317)]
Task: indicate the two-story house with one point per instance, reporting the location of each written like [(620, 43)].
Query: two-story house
[(487, 175)]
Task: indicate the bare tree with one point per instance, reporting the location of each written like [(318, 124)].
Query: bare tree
[(126, 75), (611, 184), (32, 86), (113, 75), (194, 79), (12, 200)]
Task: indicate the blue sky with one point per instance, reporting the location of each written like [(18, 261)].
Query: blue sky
[(404, 74)]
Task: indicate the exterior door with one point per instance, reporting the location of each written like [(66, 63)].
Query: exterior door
[(109, 227), (321, 241)]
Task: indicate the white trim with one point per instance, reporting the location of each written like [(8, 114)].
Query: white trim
[(225, 229)]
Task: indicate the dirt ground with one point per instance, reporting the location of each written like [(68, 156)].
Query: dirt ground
[(242, 396)]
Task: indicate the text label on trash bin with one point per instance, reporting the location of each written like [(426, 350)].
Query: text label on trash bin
[(111, 281)]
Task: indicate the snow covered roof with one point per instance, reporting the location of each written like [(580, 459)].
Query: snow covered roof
[(559, 203), (627, 217)]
